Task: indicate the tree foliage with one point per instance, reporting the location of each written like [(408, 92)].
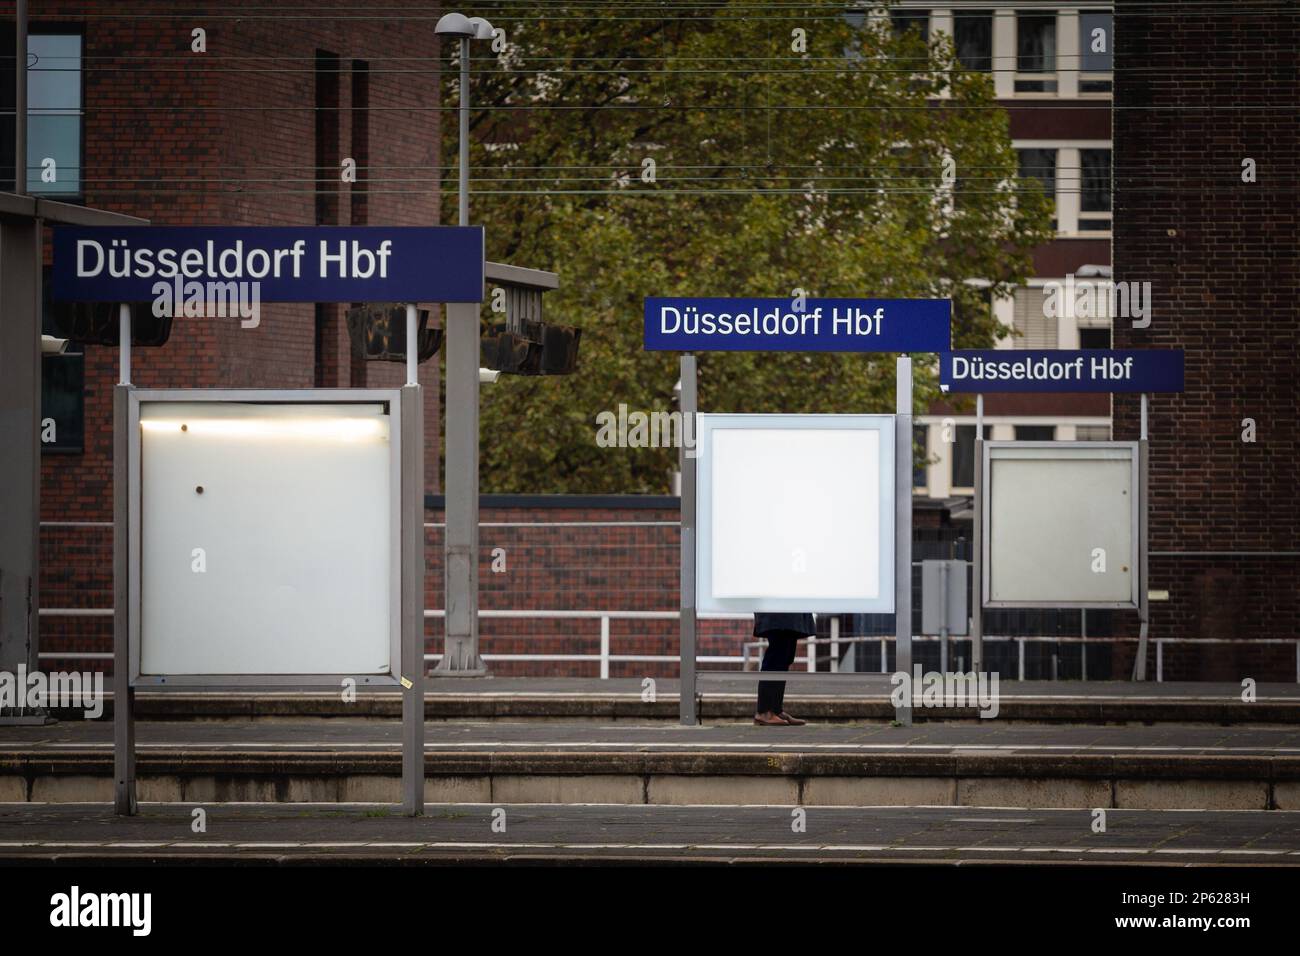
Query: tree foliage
[(775, 167)]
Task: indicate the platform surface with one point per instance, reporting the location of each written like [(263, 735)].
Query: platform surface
[(647, 834)]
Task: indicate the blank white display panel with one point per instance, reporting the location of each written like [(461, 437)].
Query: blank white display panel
[(284, 562), (796, 513), (1062, 525)]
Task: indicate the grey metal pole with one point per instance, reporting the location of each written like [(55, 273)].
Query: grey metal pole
[(124, 794), (689, 405), (1144, 608), (20, 403), (20, 98), (943, 621), (1083, 645), (463, 145), (903, 527), (20, 490), (977, 546), (124, 344), (460, 653), (412, 345), (412, 625)]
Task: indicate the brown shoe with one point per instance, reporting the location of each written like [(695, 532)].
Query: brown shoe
[(768, 721), (792, 721)]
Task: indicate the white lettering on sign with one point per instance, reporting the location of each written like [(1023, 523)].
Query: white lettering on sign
[(1034, 370), (344, 259), (857, 321), (122, 262), (844, 321), (362, 261)]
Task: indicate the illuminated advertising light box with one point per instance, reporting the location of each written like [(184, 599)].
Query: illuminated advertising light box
[(1061, 524), (796, 513), (264, 536)]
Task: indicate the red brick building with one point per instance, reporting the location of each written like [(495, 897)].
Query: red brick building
[(1050, 65), (1200, 94), (256, 130), (252, 130)]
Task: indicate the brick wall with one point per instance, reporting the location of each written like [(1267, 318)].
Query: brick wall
[(1196, 93), (588, 558), (578, 558), (1221, 256), (229, 137)]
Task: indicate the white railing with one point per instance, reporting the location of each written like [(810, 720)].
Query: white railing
[(605, 657)]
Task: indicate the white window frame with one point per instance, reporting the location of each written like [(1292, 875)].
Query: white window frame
[(1069, 183)]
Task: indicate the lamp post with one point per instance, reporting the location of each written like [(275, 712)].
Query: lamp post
[(460, 652), (464, 29)]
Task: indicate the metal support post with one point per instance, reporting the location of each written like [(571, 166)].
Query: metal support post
[(463, 143), (1144, 609), (124, 795), (943, 627), (686, 463), (977, 546), (903, 527), (20, 409), (20, 403), (460, 655), (412, 545)]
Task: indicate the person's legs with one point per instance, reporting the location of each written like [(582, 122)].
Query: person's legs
[(791, 651), (779, 656)]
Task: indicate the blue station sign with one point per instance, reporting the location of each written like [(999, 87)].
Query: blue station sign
[(792, 325), (1081, 370), (287, 263)]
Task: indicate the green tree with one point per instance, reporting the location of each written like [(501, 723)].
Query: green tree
[(825, 166)]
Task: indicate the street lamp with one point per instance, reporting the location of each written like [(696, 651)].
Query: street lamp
[(464, 29), (460, 542)]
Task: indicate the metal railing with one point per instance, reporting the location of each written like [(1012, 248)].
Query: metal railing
[(605, 656)]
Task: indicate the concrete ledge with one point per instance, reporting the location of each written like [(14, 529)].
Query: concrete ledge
[(314, 763), (1286, 795), (781, 791), (1067, 708), (579, 788), (13, 789), (816, 779), (73, 788), (1183, 794), (880, 792), (1043, 793)]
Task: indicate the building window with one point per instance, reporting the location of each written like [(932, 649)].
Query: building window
[(905, 20), (63, 388), (921, 452), (1096, 56), (973, 36), (326, 344), (1097, 338), (1094, 190), (1035, 329), (963, 455), (1040, 164), (1035, 52), (63, 402), (1035, 433), (54, 113), (966, 317), (1092, 432)]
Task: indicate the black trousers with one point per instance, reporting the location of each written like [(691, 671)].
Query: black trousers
[(781, 649)]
